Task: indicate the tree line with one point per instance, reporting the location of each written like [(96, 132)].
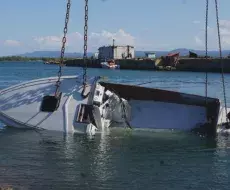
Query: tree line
[(21, 58)]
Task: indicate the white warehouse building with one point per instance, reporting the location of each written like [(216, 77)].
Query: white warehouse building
[(116, 52)]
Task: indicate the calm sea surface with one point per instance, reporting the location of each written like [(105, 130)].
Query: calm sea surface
[(121, 159)]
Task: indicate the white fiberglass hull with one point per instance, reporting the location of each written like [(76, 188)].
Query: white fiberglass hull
[(158, 109), (20, 107), (163, 115)]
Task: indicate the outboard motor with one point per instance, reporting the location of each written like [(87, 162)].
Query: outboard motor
[(114, 109)]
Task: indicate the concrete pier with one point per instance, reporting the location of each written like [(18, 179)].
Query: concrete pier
[(203, 65), (184, 64), (91, 63), (132, 64)]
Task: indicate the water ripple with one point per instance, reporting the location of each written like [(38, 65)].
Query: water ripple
[(117, 160)]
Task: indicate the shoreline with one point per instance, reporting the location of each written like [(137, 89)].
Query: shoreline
[(212, 65)]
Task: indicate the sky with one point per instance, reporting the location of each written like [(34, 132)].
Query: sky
[(37, 25)]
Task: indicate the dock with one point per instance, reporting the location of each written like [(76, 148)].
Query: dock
[(128, 64), (203, 64), (125, 57), (184, 64)]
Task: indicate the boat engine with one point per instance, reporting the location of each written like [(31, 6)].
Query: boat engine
[(98, 95), (112, 108), (115, 108)]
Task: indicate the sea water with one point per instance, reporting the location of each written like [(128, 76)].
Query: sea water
[(119, 159)]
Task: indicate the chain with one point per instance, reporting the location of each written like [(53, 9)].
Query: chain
[(206, 50), (220, 52), (85, 44), (58, 83)]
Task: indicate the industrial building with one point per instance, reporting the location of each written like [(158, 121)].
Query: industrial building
[(116, 52)]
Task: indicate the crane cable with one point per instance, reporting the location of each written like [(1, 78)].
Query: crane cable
[(58, 83), (221, 58), (206, 50), (85, 50)]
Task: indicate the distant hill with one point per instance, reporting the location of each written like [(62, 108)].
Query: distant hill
[(183, 52)]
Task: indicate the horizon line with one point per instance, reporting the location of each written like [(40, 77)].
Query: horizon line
[(134, 50)]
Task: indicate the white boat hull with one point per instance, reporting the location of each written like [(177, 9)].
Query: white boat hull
[(166, 115), (20, 105), (162, 109), (154, 109)]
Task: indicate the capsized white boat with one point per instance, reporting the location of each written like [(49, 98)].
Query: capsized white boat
[(33, 105)]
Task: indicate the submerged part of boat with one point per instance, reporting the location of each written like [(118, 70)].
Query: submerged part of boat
[(29, 105)]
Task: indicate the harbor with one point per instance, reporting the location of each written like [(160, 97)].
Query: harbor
[(124, 56), (130, 64), (184, 64)]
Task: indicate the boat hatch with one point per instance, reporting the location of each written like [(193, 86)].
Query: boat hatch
[(89, 114), (50, 103)]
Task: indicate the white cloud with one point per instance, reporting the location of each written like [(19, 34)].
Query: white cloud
[(95, 40), (74, 43), (12, 43), (105, 38), (213, 37), (45, 42)]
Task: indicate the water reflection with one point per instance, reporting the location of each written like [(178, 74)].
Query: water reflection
[(220, 167), (118, 159)]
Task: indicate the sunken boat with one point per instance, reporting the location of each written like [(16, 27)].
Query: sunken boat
[(100, 105)]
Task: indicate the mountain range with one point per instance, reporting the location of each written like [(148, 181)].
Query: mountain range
[(183, 52)]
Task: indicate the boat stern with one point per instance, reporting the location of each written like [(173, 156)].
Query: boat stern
[(210, 127)]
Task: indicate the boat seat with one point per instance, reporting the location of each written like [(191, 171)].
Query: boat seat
[(50, 103)]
